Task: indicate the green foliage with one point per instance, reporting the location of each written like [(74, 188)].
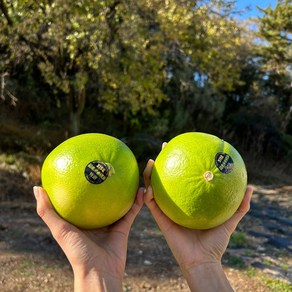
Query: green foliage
[(238, 239), (275, 29), (251, 271), (235, 261), (154, 68), (277, 285), (275, 53), (128, 48)]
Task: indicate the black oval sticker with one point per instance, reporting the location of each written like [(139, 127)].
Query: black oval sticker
[(224, 162), (96, 172)]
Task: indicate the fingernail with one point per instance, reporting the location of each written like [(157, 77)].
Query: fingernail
[(149, 188), (36, 191)]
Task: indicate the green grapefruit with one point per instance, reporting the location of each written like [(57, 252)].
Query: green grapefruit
[(198, 180), (91, 179)]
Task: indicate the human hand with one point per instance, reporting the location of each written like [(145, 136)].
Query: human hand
[(98, 257), (198, 252)]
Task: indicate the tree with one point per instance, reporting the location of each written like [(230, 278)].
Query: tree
[(203, 64), (275, 57), (76, 43), (137, 59)]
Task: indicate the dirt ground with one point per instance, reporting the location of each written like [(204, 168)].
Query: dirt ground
[(257, 259)]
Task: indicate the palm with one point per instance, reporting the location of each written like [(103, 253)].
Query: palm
[(104, 247), (199, 246)]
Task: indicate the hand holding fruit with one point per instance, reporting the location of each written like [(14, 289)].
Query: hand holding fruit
[(198, 252), (199, 196), (97, 256), (91, 179)]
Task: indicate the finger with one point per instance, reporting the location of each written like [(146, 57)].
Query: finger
[(244, 207), (134, 211), (164, 144), (124, 224), (58, 226), (44, 206), (147, 172), (148, 196), (245, 204)]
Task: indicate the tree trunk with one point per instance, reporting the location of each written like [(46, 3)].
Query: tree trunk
[(74, 123), (4, 10), (76, 106)]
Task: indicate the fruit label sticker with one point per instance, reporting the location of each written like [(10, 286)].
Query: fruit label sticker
[(96, 172), (224, 162)]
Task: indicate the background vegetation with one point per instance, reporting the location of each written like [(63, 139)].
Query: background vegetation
[(145, 71)]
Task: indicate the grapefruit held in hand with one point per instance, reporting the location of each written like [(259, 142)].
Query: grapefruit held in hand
[(91, 179), (198, 180)]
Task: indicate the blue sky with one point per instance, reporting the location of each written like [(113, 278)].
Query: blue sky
[(241, 4)]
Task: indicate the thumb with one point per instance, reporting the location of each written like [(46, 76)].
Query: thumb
[(147, 172), (58, 226), (161, 219), (125, 223)]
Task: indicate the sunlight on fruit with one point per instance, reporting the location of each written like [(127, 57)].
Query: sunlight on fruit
[(184, 184)]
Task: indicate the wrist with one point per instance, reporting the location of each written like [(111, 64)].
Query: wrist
[(207, 276), (96, 281)]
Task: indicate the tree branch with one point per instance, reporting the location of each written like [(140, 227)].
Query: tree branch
[(4, 10)]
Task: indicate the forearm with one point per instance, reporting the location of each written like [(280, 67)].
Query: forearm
[(94, 281), (207, 277)]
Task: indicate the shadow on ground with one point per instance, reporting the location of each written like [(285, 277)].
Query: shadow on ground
[(267, 228)]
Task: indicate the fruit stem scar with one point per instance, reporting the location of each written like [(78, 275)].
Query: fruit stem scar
[(208, 175), (111, 169)]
